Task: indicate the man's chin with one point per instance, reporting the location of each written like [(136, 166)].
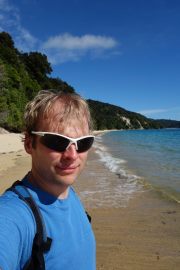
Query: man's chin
[(66, 180)]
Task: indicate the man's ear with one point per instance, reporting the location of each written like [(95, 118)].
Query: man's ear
[(28, 141)]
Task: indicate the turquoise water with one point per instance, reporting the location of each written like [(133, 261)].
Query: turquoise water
[(151, 157)]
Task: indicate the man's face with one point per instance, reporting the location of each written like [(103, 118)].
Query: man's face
[(55, 171)]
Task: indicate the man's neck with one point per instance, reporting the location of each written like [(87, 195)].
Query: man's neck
[(59, 191)]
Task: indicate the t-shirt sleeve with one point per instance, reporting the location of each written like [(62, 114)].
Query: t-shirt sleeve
[(10, 244)]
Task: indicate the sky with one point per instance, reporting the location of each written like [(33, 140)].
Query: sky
[(122, 52)]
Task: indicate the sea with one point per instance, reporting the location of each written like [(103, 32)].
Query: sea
[(141, 159)]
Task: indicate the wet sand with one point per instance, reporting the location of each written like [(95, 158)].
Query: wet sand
[(143, 235)]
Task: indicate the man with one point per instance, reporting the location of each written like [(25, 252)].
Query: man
[(57, 136)]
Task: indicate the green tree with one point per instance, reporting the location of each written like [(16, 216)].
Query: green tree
[(8, 54), (3, 91), (57, 84), (37, 65), (6, 40)]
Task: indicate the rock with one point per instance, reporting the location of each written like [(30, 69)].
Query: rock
[(3, 131)]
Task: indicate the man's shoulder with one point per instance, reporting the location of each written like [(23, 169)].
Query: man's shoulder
[(17, 230), (8, 198), (12, 207)]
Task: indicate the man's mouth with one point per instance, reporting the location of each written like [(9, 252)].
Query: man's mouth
[(67, 168)]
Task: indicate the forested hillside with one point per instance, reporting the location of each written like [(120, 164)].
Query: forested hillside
[(107, 116), (22, 75), (168, 123)]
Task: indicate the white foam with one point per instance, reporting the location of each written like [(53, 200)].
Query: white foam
[(112, 163), (111, 191)]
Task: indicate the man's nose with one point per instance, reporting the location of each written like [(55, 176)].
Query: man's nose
[(71, 152)]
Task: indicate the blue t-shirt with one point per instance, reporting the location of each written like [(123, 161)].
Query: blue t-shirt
[(73, 243)]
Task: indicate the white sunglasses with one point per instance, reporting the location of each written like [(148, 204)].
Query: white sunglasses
[(61, 143)]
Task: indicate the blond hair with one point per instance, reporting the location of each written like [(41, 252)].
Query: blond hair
[(70, 106)]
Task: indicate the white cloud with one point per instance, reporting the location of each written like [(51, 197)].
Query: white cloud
[(24, 40), (69, 42), (168, 113), (9, 14), (153, 111), (66, 47), (10, 22), (5, 5), (61, 48)]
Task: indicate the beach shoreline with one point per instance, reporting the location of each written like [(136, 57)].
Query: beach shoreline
[(143, 234)]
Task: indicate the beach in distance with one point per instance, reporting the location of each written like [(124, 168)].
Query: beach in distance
[(135, 211)]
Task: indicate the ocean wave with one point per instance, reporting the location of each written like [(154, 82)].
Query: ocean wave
[(113, 187), (114, 164)]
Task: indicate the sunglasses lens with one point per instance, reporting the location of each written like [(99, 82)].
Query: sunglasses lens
[(55, 142), (59, 144), (84, 144)]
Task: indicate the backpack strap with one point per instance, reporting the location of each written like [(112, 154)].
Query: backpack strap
[(88, 216), (41, 242)]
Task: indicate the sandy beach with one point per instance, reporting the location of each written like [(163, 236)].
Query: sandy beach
[(142, 235)]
